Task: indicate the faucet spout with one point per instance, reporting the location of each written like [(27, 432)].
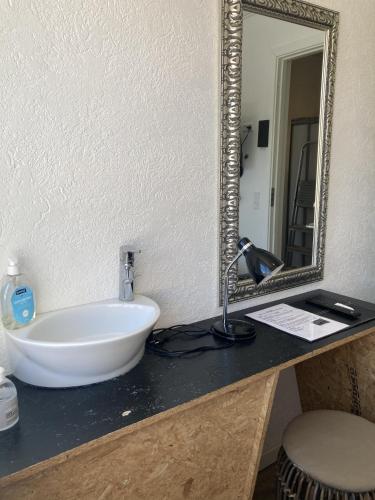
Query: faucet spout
[(126, 279)]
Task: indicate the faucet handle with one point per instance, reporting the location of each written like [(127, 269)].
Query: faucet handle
[(127, 254), (126, 281)]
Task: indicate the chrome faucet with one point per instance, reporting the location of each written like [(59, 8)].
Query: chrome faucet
[(126, 281)]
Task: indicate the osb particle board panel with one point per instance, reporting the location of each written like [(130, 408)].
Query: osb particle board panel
[(207, 449), (342, 379)]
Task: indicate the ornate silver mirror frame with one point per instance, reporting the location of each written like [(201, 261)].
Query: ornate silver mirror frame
[(298, 12)]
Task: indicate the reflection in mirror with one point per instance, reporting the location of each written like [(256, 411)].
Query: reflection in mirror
[(280, 110)]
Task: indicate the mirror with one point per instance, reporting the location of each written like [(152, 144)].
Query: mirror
[(277, 73)]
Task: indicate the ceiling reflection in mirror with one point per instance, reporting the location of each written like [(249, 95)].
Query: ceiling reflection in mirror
[(280, 115)]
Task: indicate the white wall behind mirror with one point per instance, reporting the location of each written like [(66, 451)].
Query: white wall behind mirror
[(281, 84)]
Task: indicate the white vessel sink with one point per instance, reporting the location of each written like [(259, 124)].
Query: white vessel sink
[(84, 344)]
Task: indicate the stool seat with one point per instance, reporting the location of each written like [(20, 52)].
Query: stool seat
[(333, 447)]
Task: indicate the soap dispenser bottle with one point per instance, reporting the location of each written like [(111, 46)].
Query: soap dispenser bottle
[(17, 298), (8, 402)]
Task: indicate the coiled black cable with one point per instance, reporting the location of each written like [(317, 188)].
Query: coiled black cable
[(159, 337)]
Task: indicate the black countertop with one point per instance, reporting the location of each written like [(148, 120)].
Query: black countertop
[(56, 420)]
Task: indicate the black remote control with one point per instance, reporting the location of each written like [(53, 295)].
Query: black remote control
[(331, 305)]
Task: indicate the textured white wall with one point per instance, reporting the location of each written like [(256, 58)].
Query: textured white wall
[(109, 123), (109, 120)]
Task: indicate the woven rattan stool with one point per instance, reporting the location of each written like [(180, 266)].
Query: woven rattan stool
[(327, 455)]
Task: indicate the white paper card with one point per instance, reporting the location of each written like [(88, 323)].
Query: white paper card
[(297, 322)]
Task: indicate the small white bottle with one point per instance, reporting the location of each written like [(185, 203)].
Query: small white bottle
[(17, 298), (8, 402)]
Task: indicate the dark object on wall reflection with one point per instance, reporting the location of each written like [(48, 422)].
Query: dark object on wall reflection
[(248, 127), (263, 133)]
